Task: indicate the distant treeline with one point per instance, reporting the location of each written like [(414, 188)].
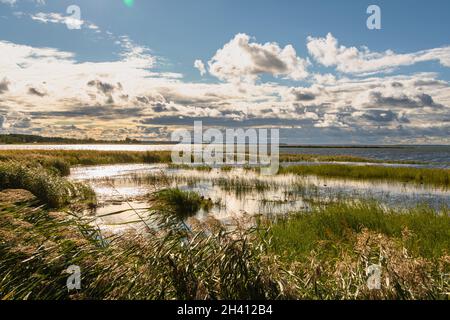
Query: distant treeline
[(24, 138)]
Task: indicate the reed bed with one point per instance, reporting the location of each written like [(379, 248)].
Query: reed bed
[(206, 261), (171, 263), (179, 203), (242, 185), (86, 157), (330, 247), (288, 157), (47, 186), (319, 254), (435, 177)]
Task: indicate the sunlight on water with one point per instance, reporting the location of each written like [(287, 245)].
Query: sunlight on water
[(235, 193)]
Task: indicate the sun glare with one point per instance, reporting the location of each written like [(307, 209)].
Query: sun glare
[(128, 3)]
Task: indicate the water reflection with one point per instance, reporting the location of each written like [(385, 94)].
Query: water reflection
[(235, 193)]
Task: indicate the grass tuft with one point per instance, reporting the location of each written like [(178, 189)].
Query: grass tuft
[(47, 186), (182, 204)]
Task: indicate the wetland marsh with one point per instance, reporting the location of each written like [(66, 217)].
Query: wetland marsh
[(140, 217)]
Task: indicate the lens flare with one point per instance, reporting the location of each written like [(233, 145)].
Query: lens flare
[(128, 3)]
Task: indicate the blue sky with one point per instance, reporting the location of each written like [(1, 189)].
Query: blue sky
[(303, 43)]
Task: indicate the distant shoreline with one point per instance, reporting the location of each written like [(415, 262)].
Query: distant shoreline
[(145, 143), (19, 139)]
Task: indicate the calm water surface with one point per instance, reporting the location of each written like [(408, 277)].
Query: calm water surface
[(237, 193)]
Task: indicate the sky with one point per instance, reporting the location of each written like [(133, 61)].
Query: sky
[(111, 69)]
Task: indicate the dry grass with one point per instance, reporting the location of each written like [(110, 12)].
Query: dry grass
[(85, 157), (204, 261), (169, 262)]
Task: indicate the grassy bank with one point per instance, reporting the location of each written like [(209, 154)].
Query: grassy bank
[(93, 157), (85, 157), (41, 172), (47, 186), (436, 177)]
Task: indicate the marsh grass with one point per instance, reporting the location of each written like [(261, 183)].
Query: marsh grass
[(41, 171), (170, 263), (86, 157), (241, 185), (329, 248), (226, 168), (337, 223), (179, 203), (47, 186), (206, 261), (321, 253), (436, 177), (288, 157)]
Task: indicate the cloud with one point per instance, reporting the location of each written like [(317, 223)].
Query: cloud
[(52, 17), (302, 95), (23, 123), (127, 97), (90, 112), (13, 2), (352, 60), (11, 121), (36, 92), (402, 100), (104, 87), (382, 116), (4, 85), (10, 2), (198, 64), (242, 60)]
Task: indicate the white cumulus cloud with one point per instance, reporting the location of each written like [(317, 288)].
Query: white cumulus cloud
[(198, 64), (57, 18), (352, 60), (243, 60)]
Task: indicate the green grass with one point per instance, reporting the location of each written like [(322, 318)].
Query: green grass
[(179, 203), (86, 157), (322, 254), (436, 177), (318, 254), (171, 263), (241, 185), (329, 249), (336, 224), (47, 186), (204, 262), (288, 157)]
